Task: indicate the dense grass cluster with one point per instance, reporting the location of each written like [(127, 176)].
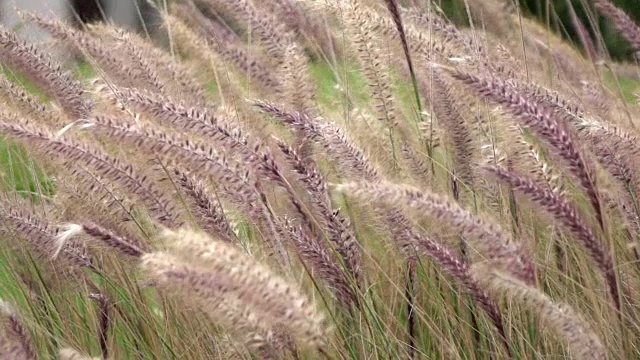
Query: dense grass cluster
[(318, 179)]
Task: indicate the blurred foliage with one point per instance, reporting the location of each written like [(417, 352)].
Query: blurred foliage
[(557, 14), (560, 20)]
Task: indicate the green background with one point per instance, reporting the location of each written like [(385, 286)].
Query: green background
[(559, 19)]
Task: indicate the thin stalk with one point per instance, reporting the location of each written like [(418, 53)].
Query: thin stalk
[(410, 295)]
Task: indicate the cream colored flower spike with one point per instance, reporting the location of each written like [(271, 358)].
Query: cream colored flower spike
[(221, 271), (582, 342)]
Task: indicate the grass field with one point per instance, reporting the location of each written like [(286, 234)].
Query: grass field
[(319, 179)]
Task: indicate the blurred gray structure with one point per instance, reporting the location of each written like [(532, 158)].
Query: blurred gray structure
[(122, 12)]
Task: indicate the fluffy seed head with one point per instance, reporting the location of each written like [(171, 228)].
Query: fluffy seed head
[(228, 272)]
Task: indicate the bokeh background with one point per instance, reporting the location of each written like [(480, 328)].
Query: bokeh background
[(557, 15)]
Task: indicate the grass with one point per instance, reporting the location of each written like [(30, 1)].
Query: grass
[(247, 199)]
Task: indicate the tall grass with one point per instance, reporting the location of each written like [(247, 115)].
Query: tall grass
[(318, 179)]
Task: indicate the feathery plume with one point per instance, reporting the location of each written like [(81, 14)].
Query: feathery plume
[(208, 209), (331, 138), (210, 294), (314, 253), (183, 84), (459, 270), (370, 57), (18, 332), (122, 244), (338, 227), (267, 29), (583, 34), (434, 22), (72, 354), (238, 182), (159, 70), (561, 318), (136, 56), (298, 92), (18, 98), (38, 67), (106, 165), (627, 27), (200, 121), (558, 206), (226, 271), (447, 111), (416, 164), (41, 238), (221, 49), (394, 10), (419, 42), (296, 82), (543, 121), (93, 48), (489, 238)]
